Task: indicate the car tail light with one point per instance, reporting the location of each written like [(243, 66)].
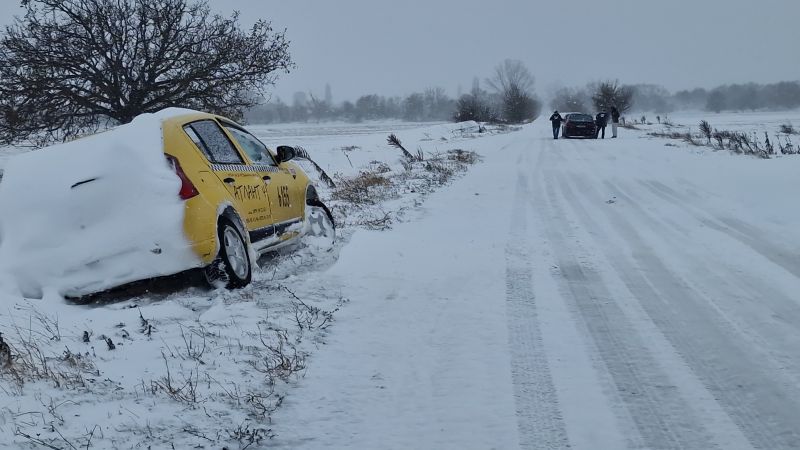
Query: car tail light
[(187, 188)]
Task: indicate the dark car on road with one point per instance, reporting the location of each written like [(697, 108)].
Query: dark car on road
[(578, 125)]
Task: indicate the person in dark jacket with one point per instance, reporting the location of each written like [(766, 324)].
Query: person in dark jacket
[(601, 120), (556, 119), (614, 121)]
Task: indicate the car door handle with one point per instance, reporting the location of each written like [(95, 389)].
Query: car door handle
[(229, 180), (266, 178)]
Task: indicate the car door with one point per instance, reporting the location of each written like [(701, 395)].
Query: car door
[(244, 186), (285, 203)]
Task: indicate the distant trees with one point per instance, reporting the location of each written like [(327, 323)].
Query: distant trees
[(518, 105), (476, 106), (652, 98), (690, 99), (414, 107), (68, 66), (569, 99), (606, 94), (512, 100), (431, 105), (751, 97), (481, 105)]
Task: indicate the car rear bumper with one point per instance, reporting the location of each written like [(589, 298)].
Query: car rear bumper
[(580, 132)]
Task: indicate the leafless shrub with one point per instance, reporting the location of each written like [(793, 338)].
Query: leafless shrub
[(719, 137), (705, 128), (365, 188), (768, 145), (194, 343), (309, 317), (57, 443), (787, 128), (379, 167), (462, 156), (394, 141), (278, 358), (260, 403), (381, 222), (443, 171), (247, 436), (5, 354), (24, 359), (182, 391), (788, 148), (689, 139)]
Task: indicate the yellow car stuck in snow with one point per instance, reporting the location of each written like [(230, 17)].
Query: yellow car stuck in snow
[(238, 193), (107, 209)]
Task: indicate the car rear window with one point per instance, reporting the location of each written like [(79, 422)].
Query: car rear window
[(213, 142), (581, 118)]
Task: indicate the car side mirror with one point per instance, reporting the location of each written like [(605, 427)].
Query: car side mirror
[(285, 153)]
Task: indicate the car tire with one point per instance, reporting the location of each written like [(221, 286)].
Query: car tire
[(232, 266)]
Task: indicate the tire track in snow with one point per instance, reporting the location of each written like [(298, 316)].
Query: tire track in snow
[(753, 303), (735, 228), (739, 379), (659, 415), (540, 422)]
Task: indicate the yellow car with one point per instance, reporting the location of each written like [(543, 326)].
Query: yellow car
[(241, 198), (108, 209)]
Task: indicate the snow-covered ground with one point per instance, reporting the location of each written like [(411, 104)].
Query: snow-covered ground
[(585, 294), (169, 363)]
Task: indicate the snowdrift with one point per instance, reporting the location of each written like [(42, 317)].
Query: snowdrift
[(93, 213)]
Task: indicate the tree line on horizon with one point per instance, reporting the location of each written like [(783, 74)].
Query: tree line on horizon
[(783, 95), (486, 105), (510, 98)]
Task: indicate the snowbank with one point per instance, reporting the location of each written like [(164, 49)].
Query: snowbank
[(452, 130), (92, 213)]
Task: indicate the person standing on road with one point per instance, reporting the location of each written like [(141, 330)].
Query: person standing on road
[(556, 119), (601, 120), (614, 121)]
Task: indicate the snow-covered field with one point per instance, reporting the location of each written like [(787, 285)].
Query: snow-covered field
[(585, 294), (184, 366)]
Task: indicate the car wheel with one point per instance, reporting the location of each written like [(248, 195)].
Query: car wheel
[(232, 266)]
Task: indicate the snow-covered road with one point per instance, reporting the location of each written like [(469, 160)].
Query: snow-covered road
[(600, 294)]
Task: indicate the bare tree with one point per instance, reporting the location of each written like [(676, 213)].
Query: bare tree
[(71, 65), (510, 73), (513, 83), (475, 106), (609, 93)]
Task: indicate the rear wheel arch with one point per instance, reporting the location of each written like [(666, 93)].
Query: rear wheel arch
[(221, 269), (231, 214)]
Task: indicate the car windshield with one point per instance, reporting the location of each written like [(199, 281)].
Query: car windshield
[(257, 151), (581, 118)]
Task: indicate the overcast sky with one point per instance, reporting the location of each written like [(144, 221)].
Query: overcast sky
[(396, 47)]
